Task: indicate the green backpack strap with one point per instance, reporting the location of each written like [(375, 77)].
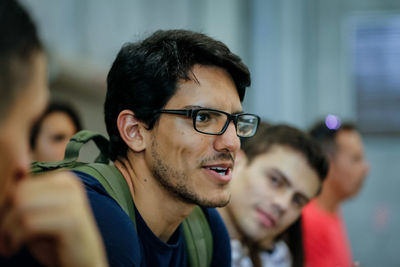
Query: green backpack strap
[(114, 183), (79, 139), (198, 238), (72, 152)]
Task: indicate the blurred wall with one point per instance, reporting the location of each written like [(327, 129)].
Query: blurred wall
[(301, 57)]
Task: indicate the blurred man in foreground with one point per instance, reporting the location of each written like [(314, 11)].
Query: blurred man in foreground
[(45, 220)]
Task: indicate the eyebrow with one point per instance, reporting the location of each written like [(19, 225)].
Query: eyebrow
[(197, 107), (278, 172), (281, 175)]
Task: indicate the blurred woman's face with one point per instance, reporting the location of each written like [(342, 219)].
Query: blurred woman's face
[(55, 131), (15, 128)]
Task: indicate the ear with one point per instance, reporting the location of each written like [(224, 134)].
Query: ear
[(131, 130)]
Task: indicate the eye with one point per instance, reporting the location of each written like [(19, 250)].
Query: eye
[(203, 117), (210, 117), (247, 124), (245, 129), (299, 201), (58, 138), (275, 180)]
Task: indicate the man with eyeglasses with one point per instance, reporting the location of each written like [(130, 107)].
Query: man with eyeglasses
[(174, 116)]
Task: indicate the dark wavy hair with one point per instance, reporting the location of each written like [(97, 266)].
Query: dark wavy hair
[(285, 135), (327, 137), (18, 43), (144, 75)]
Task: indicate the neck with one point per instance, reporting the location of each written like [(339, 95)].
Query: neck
[(328, 200), (235, 232), (161, 211)]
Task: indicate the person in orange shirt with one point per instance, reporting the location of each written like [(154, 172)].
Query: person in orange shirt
[(324, 235)]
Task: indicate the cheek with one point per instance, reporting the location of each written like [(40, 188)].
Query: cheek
[(193, 149), (290, 218), (14, 163), (258, 185)]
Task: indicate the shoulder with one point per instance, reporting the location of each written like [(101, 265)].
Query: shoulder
[(221, 240), (113, 224), (216, 223), (313, 216)]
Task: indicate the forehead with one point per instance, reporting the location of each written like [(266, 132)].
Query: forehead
[(58, 121), (349, 141), (292, 165), (209, 86)]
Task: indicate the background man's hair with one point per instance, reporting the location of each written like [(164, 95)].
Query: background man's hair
[(18, 42), (327, 137), (145, 74), (268, 136), (52, 108)]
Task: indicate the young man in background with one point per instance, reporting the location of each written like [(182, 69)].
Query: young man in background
[(278, 171)]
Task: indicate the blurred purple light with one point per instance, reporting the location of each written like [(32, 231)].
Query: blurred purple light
[(332, 122)]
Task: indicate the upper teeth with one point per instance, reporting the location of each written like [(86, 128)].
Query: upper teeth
[(218, 169)]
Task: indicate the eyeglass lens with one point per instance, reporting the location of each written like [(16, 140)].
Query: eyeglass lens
[(213, 122)]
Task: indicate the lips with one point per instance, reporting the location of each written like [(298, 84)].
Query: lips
[(221, 172), (265, 218)]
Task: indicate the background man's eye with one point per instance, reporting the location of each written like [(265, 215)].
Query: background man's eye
[(275, 180), (299, 202)]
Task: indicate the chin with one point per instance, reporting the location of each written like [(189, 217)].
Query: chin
[(217, 202)]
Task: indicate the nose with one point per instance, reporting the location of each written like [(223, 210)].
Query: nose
[(228, 141), (282, 202)]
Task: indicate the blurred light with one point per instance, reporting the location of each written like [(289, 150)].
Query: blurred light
[(332, 122)]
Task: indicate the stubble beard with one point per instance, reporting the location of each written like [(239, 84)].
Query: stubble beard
[(176, 183)]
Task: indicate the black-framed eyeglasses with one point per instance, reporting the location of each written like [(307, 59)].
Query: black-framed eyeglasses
[(215, 122)]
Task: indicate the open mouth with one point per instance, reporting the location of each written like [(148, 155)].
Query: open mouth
[(220, 170)]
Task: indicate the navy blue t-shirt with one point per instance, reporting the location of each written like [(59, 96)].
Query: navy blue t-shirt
[(126, 246)]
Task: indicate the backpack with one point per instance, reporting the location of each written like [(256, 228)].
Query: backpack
[(196, 229)]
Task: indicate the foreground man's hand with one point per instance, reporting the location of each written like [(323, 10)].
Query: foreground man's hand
[(51, 215)]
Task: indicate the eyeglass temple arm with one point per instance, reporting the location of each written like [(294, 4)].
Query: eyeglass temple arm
[(187, 113)]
